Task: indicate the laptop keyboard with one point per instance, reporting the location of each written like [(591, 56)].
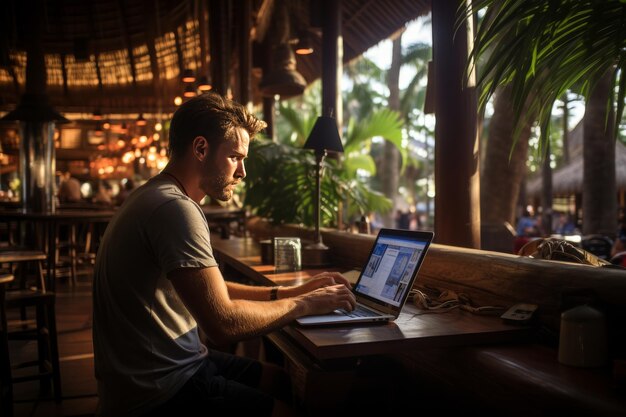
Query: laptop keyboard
[(359, 312)]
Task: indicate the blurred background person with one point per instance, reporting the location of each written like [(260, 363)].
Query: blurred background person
[(619, 244), (69, 189), (103, 193), (126, 186)]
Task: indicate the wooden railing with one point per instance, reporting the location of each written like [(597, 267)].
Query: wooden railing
[(488, 278)]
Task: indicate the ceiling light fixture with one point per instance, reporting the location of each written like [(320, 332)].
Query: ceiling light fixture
[(204, 84), (304, 46), (141, 121), (190, 91), (188, 76)]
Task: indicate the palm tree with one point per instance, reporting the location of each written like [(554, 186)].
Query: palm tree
[(504, 165), (540, 50)]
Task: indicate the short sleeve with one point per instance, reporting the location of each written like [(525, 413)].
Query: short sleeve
[(179, 234)]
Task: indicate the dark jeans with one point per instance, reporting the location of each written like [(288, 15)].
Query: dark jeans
[(225, 385)]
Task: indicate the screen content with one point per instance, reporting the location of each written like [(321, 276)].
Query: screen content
[(388, 272)]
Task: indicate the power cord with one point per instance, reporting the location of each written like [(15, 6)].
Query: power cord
[(448, 300)]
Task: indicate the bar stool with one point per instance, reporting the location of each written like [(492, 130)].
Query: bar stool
[(19, 259), (43, 331), (6, 383)]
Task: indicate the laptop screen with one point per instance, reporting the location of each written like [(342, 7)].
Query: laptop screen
[(393, 263)]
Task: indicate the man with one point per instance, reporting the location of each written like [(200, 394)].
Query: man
[(69, 189), (157, 284)]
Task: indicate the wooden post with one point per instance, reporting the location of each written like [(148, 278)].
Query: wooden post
[(457, 157), (245, 58), (332, 61), (219, 22)]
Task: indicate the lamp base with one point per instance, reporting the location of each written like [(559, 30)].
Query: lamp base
[(315, 254)]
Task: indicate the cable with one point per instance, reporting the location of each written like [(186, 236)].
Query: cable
[(449, 300)]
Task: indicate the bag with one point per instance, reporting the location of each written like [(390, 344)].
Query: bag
[(560, 250)]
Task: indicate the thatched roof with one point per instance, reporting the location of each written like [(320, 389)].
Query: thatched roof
[(568, 179), (126, 56)]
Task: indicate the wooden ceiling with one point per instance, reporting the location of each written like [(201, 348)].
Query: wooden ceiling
[(127, 56)]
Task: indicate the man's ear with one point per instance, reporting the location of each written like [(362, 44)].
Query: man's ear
[(200, 148)]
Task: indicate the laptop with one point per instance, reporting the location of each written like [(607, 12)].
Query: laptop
[(384, 284)]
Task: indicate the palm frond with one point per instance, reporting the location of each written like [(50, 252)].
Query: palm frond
[(545, 48)]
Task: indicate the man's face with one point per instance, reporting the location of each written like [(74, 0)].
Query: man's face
[(224, 168)]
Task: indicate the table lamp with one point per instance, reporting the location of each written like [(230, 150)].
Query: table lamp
[(323, 138)]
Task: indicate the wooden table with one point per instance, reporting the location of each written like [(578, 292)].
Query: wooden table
[(50, 223), (318, 358), (411, 330)]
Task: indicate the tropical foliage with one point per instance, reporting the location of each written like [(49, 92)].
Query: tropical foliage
[(543, 48), (283, 183)]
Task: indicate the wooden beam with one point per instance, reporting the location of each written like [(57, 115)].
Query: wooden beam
[(220, 26), (64, 74), (151, 32), (94, 37), (179, 53), (245, 49), (203, 29), (263, 20), (61, 7), (127, 44), (332, 61)]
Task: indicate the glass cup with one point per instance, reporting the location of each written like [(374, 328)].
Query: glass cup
[(287, 254)]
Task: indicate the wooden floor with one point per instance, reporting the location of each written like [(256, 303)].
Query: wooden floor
[(74, 322)]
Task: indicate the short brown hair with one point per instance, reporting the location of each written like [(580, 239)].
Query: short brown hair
[(212, 116)]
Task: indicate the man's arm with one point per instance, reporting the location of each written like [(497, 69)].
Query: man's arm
[(262, 293), (226, 319)]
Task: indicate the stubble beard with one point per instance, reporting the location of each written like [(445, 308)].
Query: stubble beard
[(216, 185)]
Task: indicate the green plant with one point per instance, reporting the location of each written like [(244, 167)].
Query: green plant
[(543, 48), (281, 179)]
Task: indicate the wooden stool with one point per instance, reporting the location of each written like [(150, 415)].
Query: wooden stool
[(43, 331), (19, 259), (6, 383)]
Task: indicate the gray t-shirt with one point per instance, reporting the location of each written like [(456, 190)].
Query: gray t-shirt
[(146, 343)]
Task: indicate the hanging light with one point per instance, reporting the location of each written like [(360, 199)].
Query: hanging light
[(178, 100), (204, 84), (304, 46), (141, 121), (281, 76), (190, 91), (283, 79), (188, 76)]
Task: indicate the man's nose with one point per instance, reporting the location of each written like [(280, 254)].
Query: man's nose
[(240, 173)]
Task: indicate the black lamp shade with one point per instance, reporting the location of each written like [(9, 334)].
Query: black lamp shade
[(324, 136)]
